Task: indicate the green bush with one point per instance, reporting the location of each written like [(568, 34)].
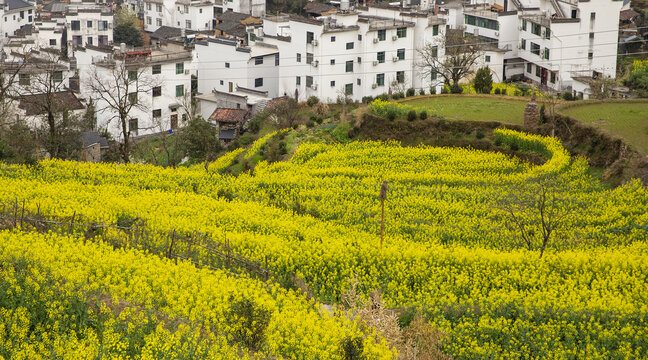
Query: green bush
[(422, 92), (444, 90), (391, 115), (456, 89), (543, 116), (483, 82), (496, 91), (248, 322), (411, 116), (423, 115), (568, 96), (353, 348), (479, 134), (432, 90), (246, 139), (410, 92), (383, 97), (312, 101), (367, 99), (310, 124), (398, 95), (283, 149)]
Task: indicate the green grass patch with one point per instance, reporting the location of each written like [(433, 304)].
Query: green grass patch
[(472, 108), (628, 121)]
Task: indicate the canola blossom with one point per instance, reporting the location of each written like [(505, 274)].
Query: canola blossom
[(448, 249)]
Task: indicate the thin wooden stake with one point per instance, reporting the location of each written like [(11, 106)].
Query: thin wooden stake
[(383, 196)]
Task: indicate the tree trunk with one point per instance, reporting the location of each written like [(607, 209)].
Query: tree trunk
[(126, 146), (52, 148)]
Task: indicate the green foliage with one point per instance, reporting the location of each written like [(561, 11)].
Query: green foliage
[(432, 90), (127, 29), (638, 78), (367, 99), (423, 115), (310, 124), (383, 97), (411, 115), (17, 144), (422, 92), (497, 91), (352, 348), (200, 140), (246, 139), (445, 90), (254, 125), (543, 115), (89, 120), (398, 95), (568, 96), (483, 82), (248, 322), (410, 92), (391, 115), (456, 89), (312, 101)]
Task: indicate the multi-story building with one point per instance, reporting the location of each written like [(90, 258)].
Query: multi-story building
[(550, 42), (224, 66), (194, 14), (15, 14), (351, 53), (159, 81), (89, 26)]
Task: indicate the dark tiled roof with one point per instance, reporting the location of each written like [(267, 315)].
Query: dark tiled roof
[(168, 32), (64, 99), (627, 15), (17, 4), (233, 16), (92, 137), (318, 8), (227, 134), (229, 115)]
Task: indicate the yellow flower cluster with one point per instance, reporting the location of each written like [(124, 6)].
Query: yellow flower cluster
[(447, 248), (149, 307)]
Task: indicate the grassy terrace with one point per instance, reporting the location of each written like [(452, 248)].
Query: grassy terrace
[(475, 108), (627, 120)]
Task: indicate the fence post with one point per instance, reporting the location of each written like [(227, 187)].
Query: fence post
[(383, 196), (22, 215), (171, 246)]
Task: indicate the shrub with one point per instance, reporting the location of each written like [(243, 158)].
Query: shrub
[(352, 348), (398, 95), (310, 124), (410, 92), (444, 90), (496, 91), (479, 134), (568, 96), (319, 120), (422, 92), (524, 89), (411, 116), (456, 89), (383, 97), (248, 322), (367, 99), (423, 115), (432, 90), (283, 149), (543, 116), (321, 109), (391, 115), (483, 82), (246, 139), (295, 126), (312, 101), (383, 108), (514, 146)]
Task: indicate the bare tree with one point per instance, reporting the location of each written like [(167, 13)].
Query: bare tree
[(118, 85), (537, 209), (601, 87), (42, 93), (286, 111), (9, 75), (458, 60)]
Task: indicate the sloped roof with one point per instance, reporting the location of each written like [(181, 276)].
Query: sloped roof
[(229, 115), (92, 137), (64, 99), (233, 16), (169, 32), (627, 15), (17, 4), (318, 8)]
